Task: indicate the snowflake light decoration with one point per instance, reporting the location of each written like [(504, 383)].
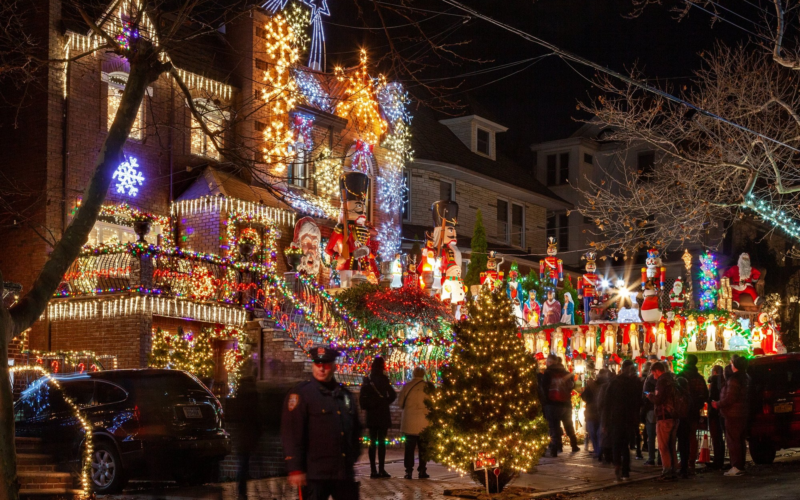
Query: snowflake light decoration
[(128, 177)]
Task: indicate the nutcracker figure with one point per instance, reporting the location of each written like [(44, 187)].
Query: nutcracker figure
[(411, 276), (351, 244), (652, 282), (587, 283), (551, 268), (743, 279), (491, 277), (445, 219)]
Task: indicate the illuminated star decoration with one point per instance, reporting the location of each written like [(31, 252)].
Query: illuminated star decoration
[(128, 177), (318, 9)]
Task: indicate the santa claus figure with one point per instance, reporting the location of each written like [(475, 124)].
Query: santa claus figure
[(445, 219), (587, 283), (351, 245), (551, 309), (492, 277), (551, 268), (743, 279), (307, 237), (676, 299), (652, 282), (531, 310)]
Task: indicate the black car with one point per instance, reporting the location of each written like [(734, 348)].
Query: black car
[(145, 423), (774, 405)]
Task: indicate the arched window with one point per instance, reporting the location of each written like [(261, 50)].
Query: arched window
[(214, 119), (298, 171), (116, 85)]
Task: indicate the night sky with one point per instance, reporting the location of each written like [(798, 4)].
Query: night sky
[(539, 103)]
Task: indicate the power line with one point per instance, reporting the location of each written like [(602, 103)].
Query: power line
[(586, 62)]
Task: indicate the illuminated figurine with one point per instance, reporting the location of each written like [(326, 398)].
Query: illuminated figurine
[(397, 271), (676, 299), (551, 309), (609, 339), (727, 335), (492, 277), (661, 340), (652, 283), (561, 352), (633, 335), (768, 342), (307, 237), (568, 310), (600, 362), (556, 338), (674, 337), (591, 340), (551, 268), (743, 279), (541, 340), (351, 245), (532, 311), (587, 283), (515, 293), (411, 277), (445, 219)]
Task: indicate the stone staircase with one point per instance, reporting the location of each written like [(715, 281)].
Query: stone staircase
[(39, 476)]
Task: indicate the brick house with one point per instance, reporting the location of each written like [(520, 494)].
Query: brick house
[(112, 300), (457, 158)]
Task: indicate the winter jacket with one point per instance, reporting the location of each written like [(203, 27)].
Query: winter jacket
[(697, 389), (550, 373), (591, 396), (733, 397), (379, 392), (715, 383), (412, 401), (621, 405), (664, 397)]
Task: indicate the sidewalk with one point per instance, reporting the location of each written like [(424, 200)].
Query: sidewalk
[(569, 473)]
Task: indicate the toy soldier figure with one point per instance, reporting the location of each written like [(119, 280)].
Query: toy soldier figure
[(551, 267), (445, 220), (587, 284), (320, 433), (492, 276), (357, 256)]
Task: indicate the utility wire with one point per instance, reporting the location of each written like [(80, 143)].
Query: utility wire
[(636, 83)]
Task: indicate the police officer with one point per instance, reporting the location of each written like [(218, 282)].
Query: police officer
[(320, 433)]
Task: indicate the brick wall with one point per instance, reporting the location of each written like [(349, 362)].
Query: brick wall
[(127, 337)]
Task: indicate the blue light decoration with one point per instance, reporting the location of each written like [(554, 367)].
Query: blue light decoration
[(776, 217), (312, 91), (128, 177), (318, 8), (708, 281)]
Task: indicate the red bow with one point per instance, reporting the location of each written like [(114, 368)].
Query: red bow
[(614, 358), (667, 358)]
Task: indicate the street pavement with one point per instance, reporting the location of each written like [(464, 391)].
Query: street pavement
[(572, 474)]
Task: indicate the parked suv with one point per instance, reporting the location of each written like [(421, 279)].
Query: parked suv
[(145, 423), (774, 405)]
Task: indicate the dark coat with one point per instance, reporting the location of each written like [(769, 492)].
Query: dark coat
[(621, 405), (697, 389), (733, 397), (664, 397), (549, 374), (320, 431), (715, 383), (245, 415), (379, 392), (591, 396)]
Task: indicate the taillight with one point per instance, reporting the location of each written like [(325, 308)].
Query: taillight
[(767, 408), (136, 413)]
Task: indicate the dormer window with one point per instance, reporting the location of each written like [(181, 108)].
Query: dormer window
[(483, 144)]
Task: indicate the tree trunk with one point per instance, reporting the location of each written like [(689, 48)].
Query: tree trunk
[(145, 68)]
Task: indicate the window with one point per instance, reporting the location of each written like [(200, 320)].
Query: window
[(483, 145), (558, 227), (446, 191), (517, 225), (116, 86), (587, 158), (106, 233), (81, 392), (106, 393), (298, 170), (557, 169), (260, 126), (214, 120), (502, 220), (262, 65), (645, 165), (407, 199)]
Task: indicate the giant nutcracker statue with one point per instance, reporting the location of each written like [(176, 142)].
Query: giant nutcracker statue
[(445, 218), (743, 279), (551, 268), (652, 282), (587, 284), (491, 277), (350, 244)]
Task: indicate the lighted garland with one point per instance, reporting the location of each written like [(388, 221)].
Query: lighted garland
[(124, 215), (241, 217), (86, 469), (708, 281)]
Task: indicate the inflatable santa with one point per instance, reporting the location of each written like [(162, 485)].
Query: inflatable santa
[(743, 279), (652, 282)]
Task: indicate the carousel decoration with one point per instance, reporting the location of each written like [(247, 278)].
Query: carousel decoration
[(351, 245), (445, 219)]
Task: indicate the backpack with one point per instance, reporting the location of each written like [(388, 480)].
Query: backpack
[(561, 388), (699, 393), (681, 398), (368, 399)]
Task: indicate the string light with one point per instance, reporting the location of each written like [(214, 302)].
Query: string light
[(708, 281)]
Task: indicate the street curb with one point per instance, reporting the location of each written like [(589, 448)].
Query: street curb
[(588, 489)]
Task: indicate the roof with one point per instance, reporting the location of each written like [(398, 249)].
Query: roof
[(434, 141), (215, 181)]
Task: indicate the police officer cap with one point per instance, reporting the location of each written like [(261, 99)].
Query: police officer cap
[(324, 355)]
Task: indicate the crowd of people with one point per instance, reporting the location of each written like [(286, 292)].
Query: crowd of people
[(655, 411)]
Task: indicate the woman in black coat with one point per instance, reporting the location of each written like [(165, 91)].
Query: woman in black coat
[(377, 394)]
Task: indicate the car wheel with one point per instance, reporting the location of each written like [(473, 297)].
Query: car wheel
[(107, 475), (762, 451)]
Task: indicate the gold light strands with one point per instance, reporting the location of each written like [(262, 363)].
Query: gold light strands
[(360, 104)]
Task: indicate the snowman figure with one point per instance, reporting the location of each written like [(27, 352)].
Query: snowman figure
[(652, 282)]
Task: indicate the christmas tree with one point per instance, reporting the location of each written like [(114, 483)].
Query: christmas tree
[(478, 255), (202, 355), (159, 354), (488, 400)]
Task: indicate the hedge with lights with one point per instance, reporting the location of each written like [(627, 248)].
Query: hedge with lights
[(488, 399)]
